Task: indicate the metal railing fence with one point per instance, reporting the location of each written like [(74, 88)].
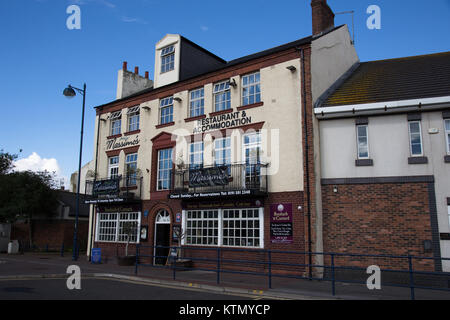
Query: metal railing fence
[(271, 259)]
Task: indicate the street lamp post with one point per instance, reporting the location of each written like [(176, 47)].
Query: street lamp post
[(70, 93)]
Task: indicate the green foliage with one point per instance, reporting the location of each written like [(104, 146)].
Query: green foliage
[(25, 194), (6, 162)]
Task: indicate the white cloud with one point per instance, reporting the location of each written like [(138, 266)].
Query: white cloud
[(35, 163)]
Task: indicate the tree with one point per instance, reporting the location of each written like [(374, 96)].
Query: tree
[(27, 194), (6, 162)]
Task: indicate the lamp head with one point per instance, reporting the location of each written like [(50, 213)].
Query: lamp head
[(69, 92)]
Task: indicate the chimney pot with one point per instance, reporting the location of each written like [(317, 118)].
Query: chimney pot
[(146, 75), (125, 66), (136, 70)]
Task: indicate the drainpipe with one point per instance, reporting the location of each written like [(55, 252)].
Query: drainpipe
[(305, 127), (95, 178)]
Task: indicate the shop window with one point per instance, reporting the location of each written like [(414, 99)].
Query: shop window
[(224, 227), (202, 227), (115, 227)]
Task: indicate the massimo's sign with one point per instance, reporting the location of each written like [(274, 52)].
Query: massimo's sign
[(105, 187), (122, 143), (223, 121), (208, 177)]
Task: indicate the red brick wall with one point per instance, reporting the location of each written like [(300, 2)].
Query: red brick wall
[(52, 233), (391, 219), (110, 250)]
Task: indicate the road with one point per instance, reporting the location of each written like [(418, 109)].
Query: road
[(102, 289)]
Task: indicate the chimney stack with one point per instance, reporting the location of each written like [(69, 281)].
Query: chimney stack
[(322, 17), (124, 66), (136, 70)]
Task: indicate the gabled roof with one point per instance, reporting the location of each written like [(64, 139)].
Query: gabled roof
[(418, 77)]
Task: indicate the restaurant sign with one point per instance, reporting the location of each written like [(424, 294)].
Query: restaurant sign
[(122, 143), (106, 187), (223, 121), (208, 177)]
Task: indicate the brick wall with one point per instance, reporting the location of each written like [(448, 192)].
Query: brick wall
[(111, 250), (52, 233), (391, 219)]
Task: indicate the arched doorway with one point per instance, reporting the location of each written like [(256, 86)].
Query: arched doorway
[(162, 237)]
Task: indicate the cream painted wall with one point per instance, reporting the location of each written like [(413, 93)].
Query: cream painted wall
[(162, 79), (331, 56), (281, 113), (389, 149)]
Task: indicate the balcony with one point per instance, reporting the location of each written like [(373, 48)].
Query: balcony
[(220, 181), (116, 190)]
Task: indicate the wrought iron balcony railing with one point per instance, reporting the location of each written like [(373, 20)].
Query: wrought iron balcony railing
[(128, 188), (233, 177)]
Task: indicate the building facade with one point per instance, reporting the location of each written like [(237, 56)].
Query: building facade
[(384, 159), (216, 154)]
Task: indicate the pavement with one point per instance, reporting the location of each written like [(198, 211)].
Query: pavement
[(52, 266)]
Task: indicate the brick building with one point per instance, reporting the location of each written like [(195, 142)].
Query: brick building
[(384, 160), (221, 150)]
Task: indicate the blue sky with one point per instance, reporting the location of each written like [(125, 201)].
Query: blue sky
[(40, 56)]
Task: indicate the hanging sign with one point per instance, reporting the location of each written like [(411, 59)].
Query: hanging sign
[(208, 177)]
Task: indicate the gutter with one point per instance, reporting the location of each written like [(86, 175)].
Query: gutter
[(381, 107)]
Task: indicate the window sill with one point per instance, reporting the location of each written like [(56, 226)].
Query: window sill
[(417, 160), (364, 163), (218, 113), (447, 159), (130, 133), (250, 106), (115, 136), (192, 119), (165, 125)]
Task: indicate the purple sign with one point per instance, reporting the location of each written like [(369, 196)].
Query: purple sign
[(281, 223)]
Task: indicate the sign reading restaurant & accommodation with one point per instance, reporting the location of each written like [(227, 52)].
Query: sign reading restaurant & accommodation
[(281, 223), (122, 143), (223, 121)]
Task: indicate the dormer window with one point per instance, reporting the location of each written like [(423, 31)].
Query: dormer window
[(168, 59)]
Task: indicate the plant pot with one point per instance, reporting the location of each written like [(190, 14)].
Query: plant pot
[(126, 261)]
